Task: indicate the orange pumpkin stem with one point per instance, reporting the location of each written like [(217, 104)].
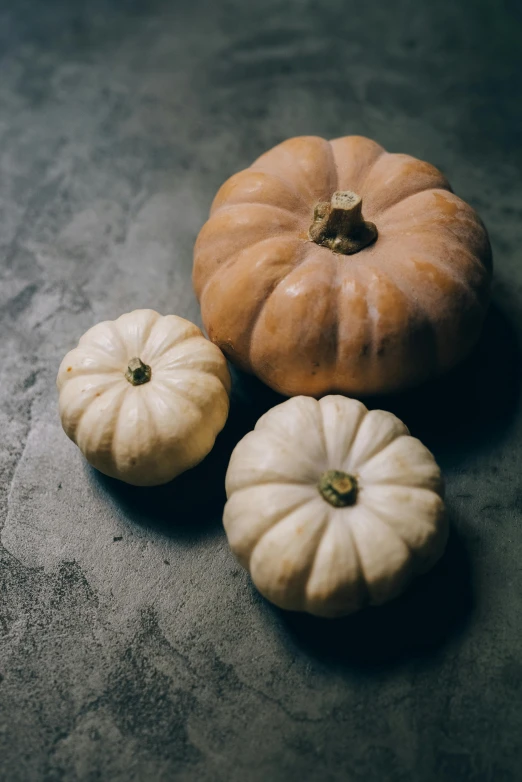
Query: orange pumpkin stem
[(340, 225)]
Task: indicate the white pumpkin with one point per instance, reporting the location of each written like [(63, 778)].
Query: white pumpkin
[(332, 507), (144, 396)]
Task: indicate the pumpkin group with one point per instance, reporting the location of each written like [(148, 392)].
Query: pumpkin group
[(338, 267)]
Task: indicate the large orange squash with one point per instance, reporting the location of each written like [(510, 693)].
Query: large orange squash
[(335, 266)]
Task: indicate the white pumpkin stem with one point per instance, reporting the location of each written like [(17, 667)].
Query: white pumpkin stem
[(338, 488), (339, 224), (137, 372)]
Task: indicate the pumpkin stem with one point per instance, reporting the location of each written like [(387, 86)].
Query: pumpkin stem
[(338, 488), (137, 372), (340, 225)]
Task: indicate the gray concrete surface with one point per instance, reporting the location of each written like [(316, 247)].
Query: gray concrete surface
[(132, 646)]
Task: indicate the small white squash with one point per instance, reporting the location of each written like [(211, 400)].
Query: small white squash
[(144, 396), (332, 507)]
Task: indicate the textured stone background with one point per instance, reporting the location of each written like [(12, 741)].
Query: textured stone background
[(132, 647)]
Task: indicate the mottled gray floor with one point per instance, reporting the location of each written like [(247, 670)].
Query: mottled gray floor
[(132, 646)]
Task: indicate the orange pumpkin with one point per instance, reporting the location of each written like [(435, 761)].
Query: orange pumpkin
[(335, 266)]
